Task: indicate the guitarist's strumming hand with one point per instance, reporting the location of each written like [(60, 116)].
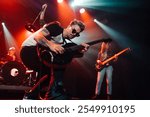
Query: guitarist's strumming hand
[(98, 64), (57, 48), (86, 47)]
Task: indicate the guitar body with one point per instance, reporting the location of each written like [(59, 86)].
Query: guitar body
[(99, 67), (60, 59)]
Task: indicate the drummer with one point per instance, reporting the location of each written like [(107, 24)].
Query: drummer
[(10, 55)]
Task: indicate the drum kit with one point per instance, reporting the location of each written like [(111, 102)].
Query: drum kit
[(15, 73)]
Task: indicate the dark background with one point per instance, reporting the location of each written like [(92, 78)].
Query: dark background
[(131, 71)]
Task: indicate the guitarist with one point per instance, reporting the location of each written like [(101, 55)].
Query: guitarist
[(104, 53), (52, 36)]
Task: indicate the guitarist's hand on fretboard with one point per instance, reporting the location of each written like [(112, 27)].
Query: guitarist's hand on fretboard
[(85, 47), (115, 58)]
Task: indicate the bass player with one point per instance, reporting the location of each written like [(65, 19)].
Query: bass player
[(105, 52)]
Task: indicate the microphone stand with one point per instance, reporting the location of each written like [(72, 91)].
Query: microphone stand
[(30, 26)]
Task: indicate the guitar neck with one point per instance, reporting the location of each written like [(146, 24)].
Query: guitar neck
[(116, 55), (99, 40), (79, 47)]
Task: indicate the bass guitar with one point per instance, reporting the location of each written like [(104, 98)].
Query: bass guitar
[(100, 65), (71, 50)]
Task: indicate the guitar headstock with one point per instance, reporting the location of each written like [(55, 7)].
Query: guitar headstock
[(107, 40), (128, 49)]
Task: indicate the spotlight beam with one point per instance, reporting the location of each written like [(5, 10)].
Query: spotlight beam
[(122, 40)]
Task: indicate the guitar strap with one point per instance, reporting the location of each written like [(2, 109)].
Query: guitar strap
[(71, 41), (51, 71), (38, 52), (64, 40)]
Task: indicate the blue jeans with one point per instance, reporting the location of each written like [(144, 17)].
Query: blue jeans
[(100, 76)]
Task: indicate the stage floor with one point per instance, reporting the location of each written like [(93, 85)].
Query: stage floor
[(12, 92)]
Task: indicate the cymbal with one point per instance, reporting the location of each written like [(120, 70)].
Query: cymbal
[(30, 27), (2, 62)]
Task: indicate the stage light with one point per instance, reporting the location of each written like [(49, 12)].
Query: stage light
[(3, 23), (59, 1), (122, 40), (82, 10), (77, 3), (95, 20), (9, 39)]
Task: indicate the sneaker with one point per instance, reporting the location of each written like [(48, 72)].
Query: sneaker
[(57, 93), (95, 97), (109, 97), (30, 96)]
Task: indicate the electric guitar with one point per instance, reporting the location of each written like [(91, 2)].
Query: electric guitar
[(71, 50), (100, 65)]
